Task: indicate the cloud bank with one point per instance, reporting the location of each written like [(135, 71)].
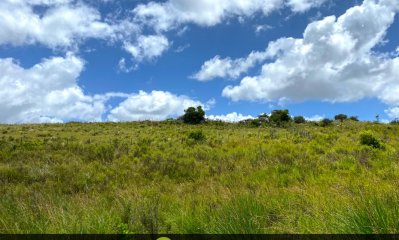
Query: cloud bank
[(49, 92), (334, 61)]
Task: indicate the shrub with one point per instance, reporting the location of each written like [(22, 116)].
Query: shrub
[(326, 122), (280, 116), (341, 117), (197, 136), (255, 122), (354, 118), (299, 119), (395, 121), (193, 115), (367, 138), (263, 118)]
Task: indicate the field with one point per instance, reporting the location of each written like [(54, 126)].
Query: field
[(168, 177)]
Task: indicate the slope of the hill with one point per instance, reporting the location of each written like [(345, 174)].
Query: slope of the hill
[(168, 177)]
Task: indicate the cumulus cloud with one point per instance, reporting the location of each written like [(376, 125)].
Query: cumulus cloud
[(303, 5), (231, 117), (228, 68), (63, 23), (175, 14), (334, 61), (49, 92), (163, 16), (66, 23), (46, 92), (156, 105), (393, 112), (147, 47)]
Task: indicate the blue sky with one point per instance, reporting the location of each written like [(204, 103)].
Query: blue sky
[(105, 60)]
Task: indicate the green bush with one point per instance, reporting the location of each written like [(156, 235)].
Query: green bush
[(255, 122), (197, 136), (367, 138), (193, 115), (299, 119), (326, 122), (395, 121), (341, 117), (279, 117)]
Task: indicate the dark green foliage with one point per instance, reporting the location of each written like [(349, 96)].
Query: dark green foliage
[(197, 136), (354, 118), (367, 138), (395, 121), (279, 117), (341, 117), (194, 115), (326, 122), (255, 122), (299, 119)]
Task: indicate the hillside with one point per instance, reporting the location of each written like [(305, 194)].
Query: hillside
[(168, 177)]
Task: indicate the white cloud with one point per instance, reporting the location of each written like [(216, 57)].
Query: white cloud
[(303, 5), (46, 92), (49, 92), (66, 23), (262, 28), (333, 61), (173, 13), (62, 23), (147, 47), (393, 112), (156, 105), (182, 48), (315, 118), (231, 117), (227, 68), (123, 67)]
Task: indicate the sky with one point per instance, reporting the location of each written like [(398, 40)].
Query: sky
[(131, 60)]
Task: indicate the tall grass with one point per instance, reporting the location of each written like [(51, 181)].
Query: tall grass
[(166, 177)]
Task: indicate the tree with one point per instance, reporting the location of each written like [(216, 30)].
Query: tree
[(194, 115), (280, 116), (395, 121), (354, 118), (299, 119), (341, 117), (326, 122)]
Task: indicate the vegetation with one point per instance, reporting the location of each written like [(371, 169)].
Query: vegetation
[(326, 122), (395, 121), (299, 119), (280, 117), (170, 177), (197, 136), (367, 138), (193, 115), (341, 117)]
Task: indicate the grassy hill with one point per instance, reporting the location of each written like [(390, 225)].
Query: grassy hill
[(167, 177)]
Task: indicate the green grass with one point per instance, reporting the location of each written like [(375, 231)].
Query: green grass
[(167, 177)]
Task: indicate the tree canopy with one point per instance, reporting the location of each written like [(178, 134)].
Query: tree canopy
[(280, 116), (194, 115)]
